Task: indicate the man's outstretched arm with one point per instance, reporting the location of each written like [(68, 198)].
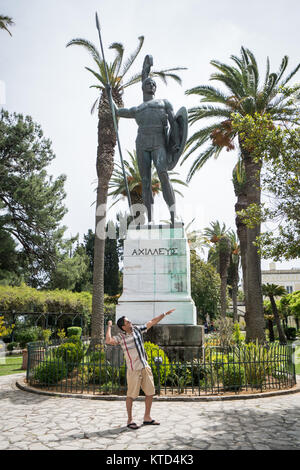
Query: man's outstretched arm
[(108, 338), (156, 320)]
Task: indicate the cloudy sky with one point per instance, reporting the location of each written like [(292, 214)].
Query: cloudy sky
[(48, 81)]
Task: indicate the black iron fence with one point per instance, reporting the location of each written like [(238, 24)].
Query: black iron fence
[(80, 367)]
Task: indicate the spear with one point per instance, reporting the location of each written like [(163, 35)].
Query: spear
[(108, 90)]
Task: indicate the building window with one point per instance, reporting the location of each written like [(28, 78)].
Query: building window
[(289, 289)]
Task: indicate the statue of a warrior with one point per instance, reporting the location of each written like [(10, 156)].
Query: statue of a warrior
[(161, 138)]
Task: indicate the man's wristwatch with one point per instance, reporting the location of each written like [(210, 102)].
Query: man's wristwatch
[(164, 314)]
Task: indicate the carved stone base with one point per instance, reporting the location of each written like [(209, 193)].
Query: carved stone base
[(156, 275)]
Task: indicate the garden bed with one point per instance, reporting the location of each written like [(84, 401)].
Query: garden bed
[(72, 367)]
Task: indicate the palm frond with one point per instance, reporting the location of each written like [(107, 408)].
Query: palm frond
[(119, 48), (245, 55), (6, 21), (267, 92), (201, 112), (133, 80), (198, 139), (178, 192), (253, 79), (248, 104), (94, 106), (282, 68), (138, 76), (89, 46), (167, 73), (216, 229), (288, 78), (132, 57), (209, 94), (267, 72), (253, 60), (238, 61), (178, 181), (97, 75), (202, 159), (227, 70), (236, 87)]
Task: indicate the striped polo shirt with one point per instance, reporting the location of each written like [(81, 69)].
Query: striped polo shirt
[(133, 347)]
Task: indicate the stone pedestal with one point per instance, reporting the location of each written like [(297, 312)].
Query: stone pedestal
[(156, 275), (181, 342)]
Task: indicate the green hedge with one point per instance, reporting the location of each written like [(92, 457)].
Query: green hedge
[(50, 373), (28, 335), (153, 354), (98, 370), (74, 331), (26, 299), (71, 354)]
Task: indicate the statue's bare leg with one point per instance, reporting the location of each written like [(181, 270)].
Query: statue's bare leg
[(160, 161), (144, 164)]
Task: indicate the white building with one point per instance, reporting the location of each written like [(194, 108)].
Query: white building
[(288, 278)]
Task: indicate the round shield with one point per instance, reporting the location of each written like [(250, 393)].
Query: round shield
[(182, 121)]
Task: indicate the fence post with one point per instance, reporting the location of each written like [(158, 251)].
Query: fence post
[(28, 362), (158, 362), (294, 362)]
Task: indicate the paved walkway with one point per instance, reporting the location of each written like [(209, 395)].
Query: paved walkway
[(31, 421)]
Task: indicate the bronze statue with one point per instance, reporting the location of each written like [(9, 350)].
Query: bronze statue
[(161, 139)]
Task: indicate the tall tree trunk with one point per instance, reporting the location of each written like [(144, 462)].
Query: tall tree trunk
[(235, 283), (104, 166), (242, 235), (254, 301), (282, 337), (224, 257), (271, 330)]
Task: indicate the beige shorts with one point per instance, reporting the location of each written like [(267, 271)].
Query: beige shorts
[(137, 379)]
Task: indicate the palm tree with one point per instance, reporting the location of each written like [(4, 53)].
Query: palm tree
[(117, 72), (272, 291), (243, 96), (219, 255), (197, 241), (134, 181), (6, 21)]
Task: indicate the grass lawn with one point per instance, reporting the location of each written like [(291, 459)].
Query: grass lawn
[(11, 365), (297, 355), (297, 359)]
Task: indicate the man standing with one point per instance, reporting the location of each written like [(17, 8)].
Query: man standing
[(139, 373)]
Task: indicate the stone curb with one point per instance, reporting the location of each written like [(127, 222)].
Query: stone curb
[(26, 388)]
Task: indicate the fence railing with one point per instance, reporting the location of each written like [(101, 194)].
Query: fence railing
[(211, 370)]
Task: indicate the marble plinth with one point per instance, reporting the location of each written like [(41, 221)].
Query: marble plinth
[(156, 275)]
